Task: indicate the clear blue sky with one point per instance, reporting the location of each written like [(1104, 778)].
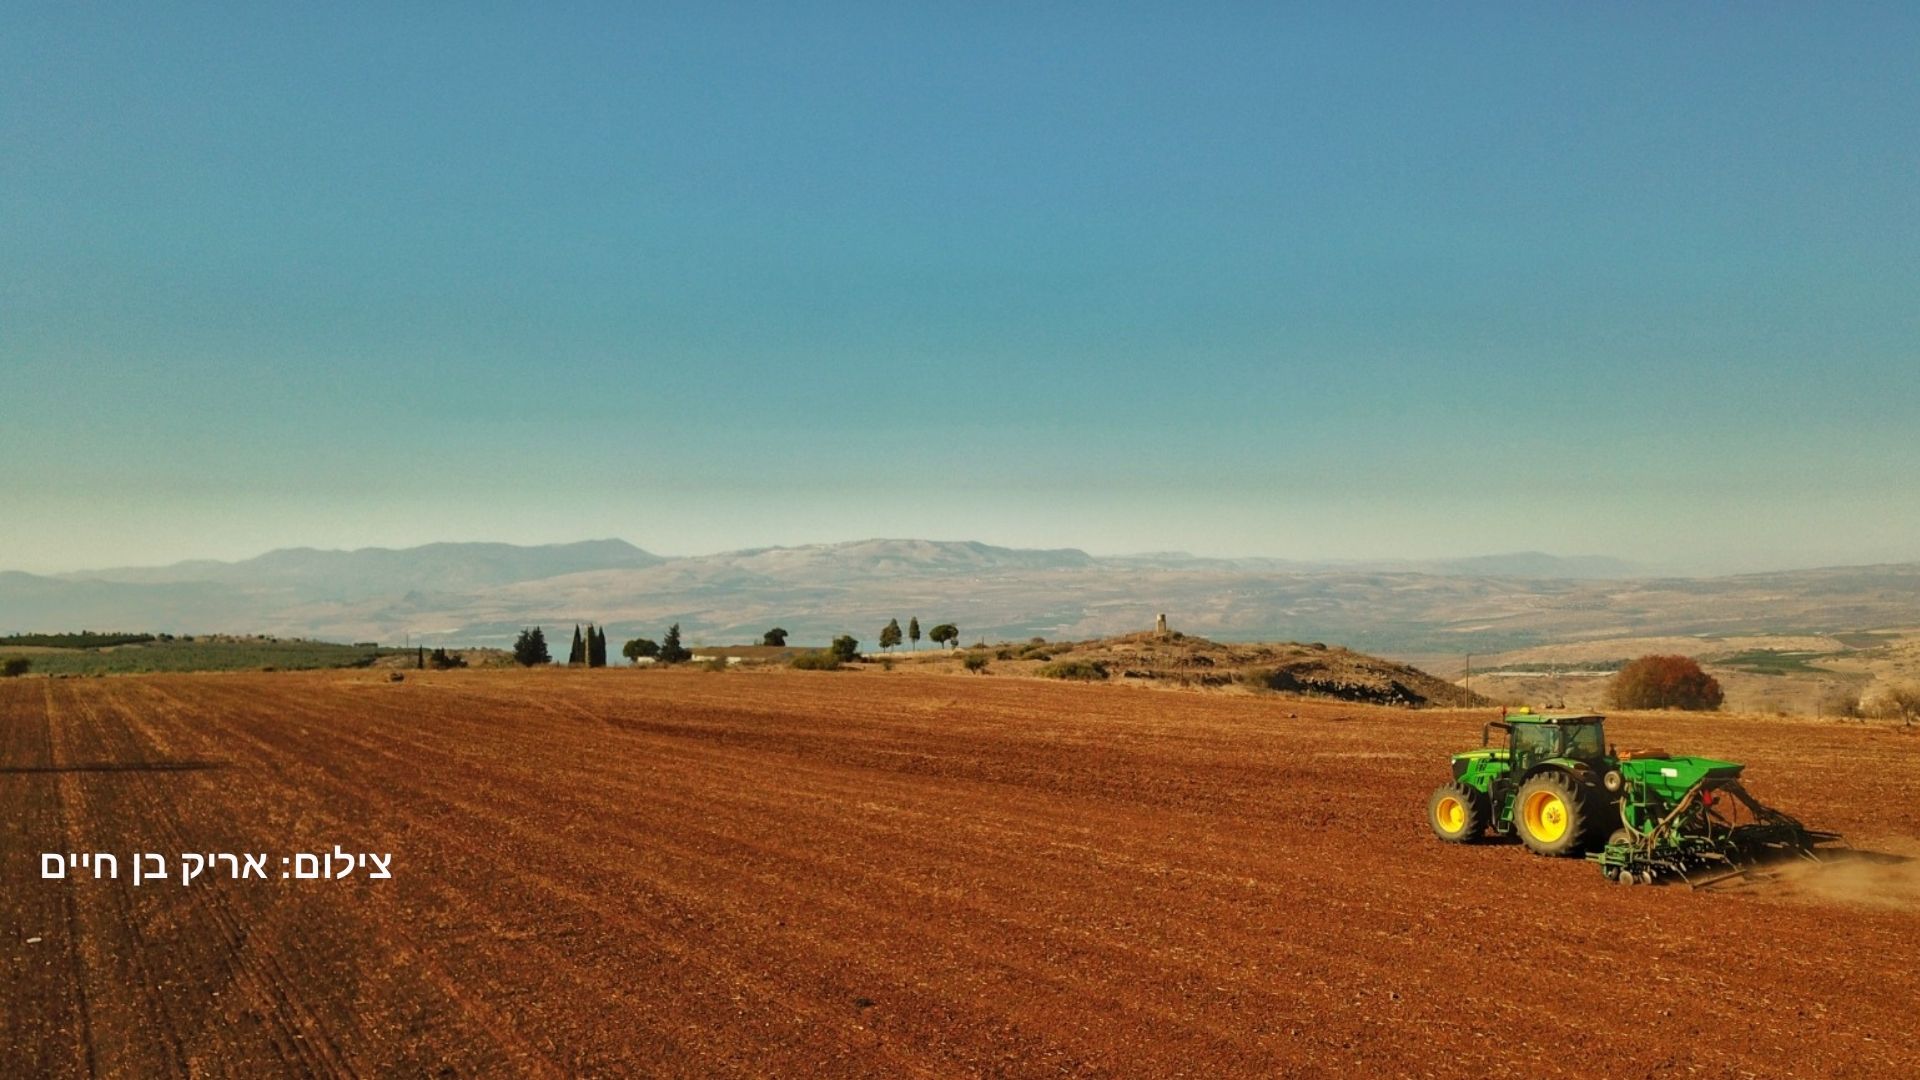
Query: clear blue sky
[(1238, 279)]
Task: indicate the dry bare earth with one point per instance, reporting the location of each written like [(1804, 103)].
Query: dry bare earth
[(790, 873), (1184, 660), (1834, 671)]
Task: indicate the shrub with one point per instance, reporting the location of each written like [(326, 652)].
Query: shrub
[(845, 648), (1664, 682), (441, 660), (15, 666), (1894, 701), (1906, 701), (975, 662), (717, 663), (1842, 702), (1087, 670), (1255, 678), (817, 660), (1003, 654)]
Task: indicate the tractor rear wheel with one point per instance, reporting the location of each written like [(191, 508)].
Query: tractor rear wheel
[(1457, 813), (1553, 814)]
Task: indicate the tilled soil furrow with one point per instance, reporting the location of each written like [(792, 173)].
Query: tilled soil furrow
[(494, 810), (142, 969), (564, 907), (683, 873), (287, 803), (47, 996), (1517, 973), (202, 923), (855, 875), (71, 836)]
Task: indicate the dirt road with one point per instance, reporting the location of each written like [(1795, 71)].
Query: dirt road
[(807, 874)]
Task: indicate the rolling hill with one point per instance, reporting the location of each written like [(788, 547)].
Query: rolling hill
[(483, 593)]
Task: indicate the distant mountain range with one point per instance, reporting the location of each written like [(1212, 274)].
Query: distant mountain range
[(1521, 564), (478, 593), (314, 574)]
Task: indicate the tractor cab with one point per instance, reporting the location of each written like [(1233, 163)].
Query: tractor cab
[(1533, 738)]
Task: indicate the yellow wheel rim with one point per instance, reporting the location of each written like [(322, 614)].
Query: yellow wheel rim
[(1545, 815), (1450, 814)]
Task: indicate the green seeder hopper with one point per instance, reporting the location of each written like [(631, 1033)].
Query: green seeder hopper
[(1641, 816)]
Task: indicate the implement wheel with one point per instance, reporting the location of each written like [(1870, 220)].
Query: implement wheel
[(1553, 814), (1457, 813)]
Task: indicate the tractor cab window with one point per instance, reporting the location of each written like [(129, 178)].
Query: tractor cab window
[(1534, 742), (1583, 741)]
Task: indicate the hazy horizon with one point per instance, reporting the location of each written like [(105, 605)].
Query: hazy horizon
[(1636, 568), (1307, 283)]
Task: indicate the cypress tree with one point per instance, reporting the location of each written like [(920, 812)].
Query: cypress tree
[(577, 654), (671, 651)]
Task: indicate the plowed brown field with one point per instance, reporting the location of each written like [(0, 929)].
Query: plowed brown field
[(806, 874)]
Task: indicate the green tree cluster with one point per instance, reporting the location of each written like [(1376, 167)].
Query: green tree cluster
[(85, 639), (530, 648)]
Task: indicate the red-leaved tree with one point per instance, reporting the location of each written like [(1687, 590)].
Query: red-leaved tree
[(1664, 682)]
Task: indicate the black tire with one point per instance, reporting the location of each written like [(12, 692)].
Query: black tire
[(1457, 813), (1614, 873), (1551, 801)]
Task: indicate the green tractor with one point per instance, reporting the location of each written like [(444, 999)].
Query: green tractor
[(1562, 790)]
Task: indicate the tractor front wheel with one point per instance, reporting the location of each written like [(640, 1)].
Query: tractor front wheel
[(1553, 814), (1457, 813)]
